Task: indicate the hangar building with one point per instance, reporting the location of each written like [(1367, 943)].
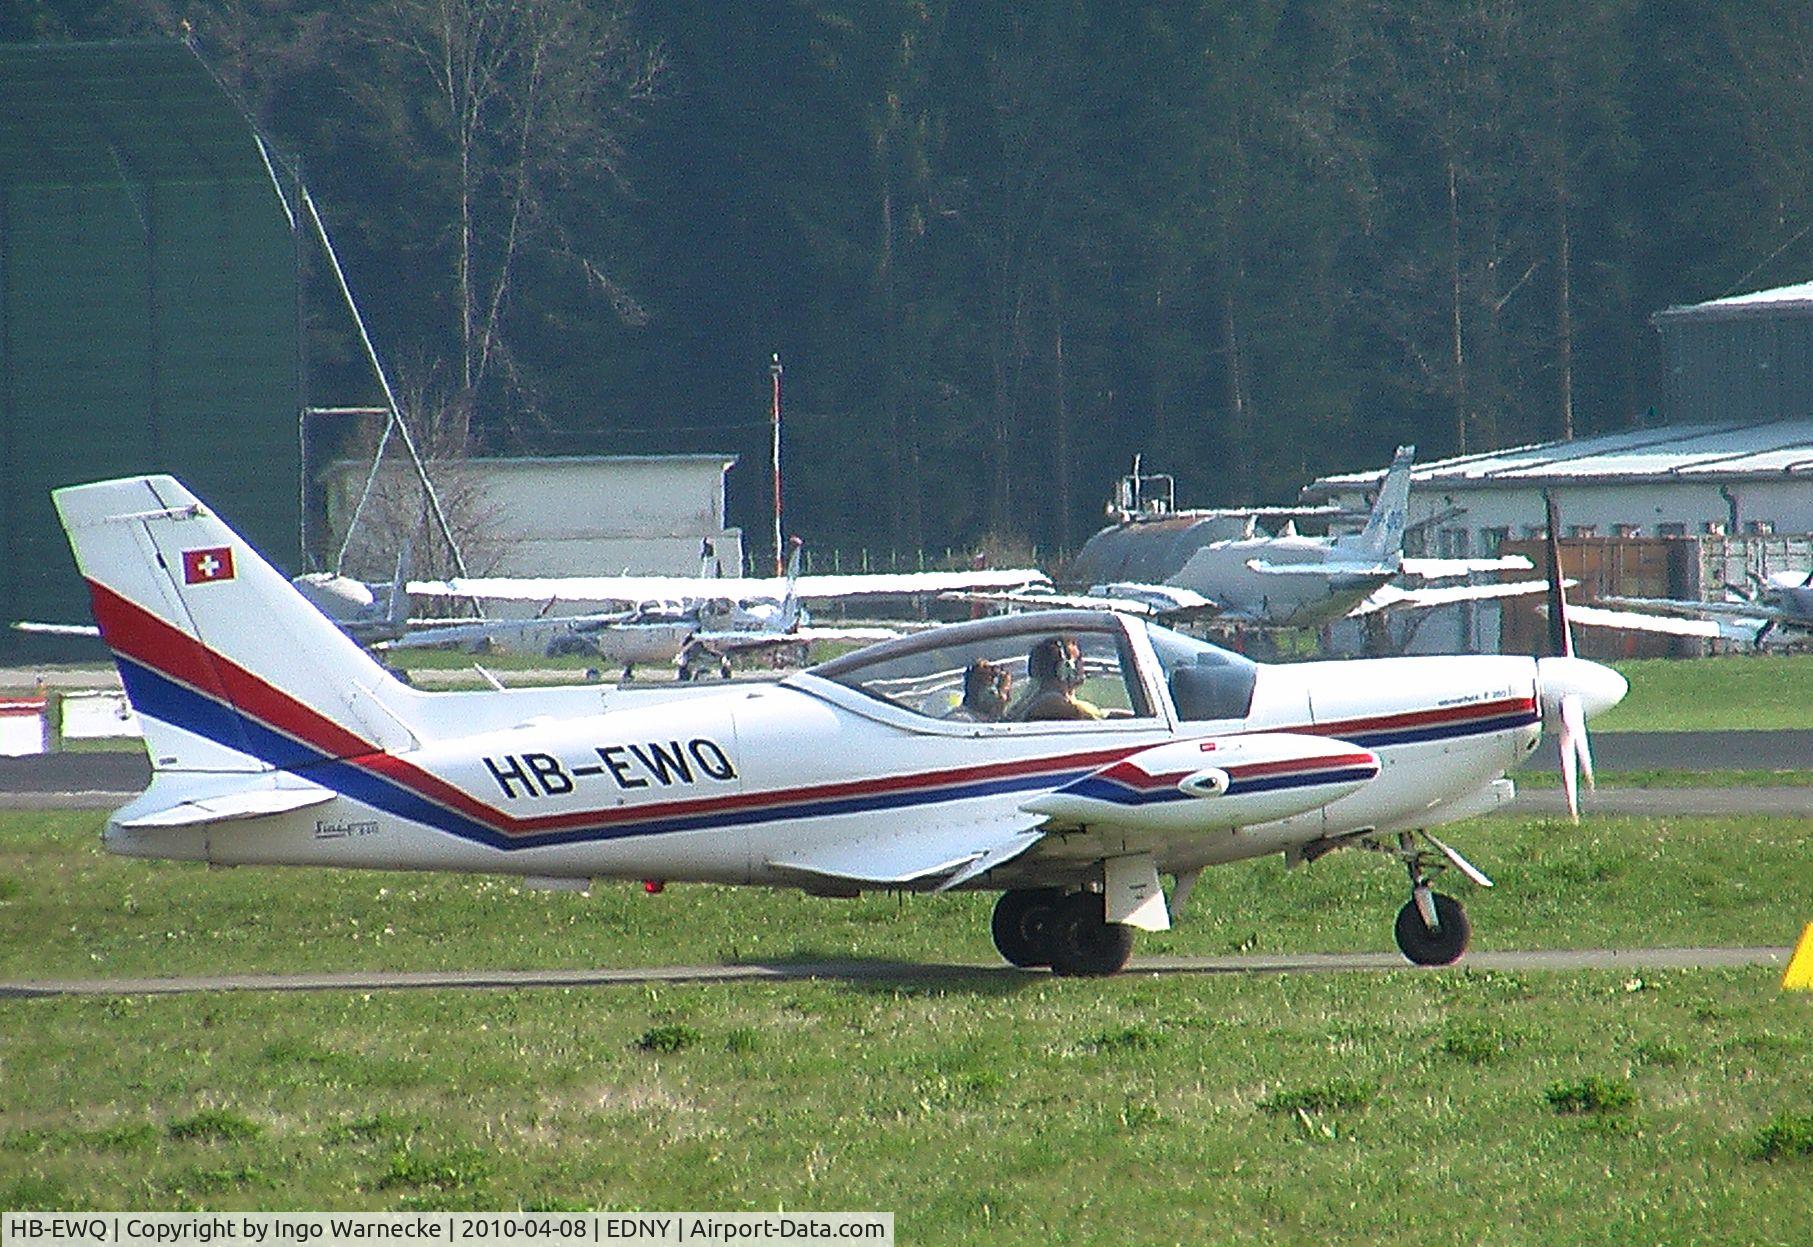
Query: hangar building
[(148, 305), (597, 515)]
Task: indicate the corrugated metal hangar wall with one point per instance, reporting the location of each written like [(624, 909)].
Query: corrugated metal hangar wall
[(148, 314), (1743, 359)]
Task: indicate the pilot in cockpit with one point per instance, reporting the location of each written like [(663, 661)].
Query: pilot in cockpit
[(1054, 670)]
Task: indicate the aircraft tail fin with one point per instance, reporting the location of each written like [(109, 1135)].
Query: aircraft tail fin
[(790, 607), (1383, 537), (396, 607), (228, 666)]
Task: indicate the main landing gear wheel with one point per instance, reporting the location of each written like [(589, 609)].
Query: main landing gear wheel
[(1441, 945), (1084, 942), (1022, 926)]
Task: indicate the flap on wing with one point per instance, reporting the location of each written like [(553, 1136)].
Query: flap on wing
[(961, 852), (251, 803)]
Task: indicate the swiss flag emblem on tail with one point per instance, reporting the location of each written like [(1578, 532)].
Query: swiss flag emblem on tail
[(204, 566)]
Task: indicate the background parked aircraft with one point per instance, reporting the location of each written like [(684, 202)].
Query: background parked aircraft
[(1777, 608), (1197, 570), (694, 632)]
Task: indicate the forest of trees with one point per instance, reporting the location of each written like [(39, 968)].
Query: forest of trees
[(1001, 247)]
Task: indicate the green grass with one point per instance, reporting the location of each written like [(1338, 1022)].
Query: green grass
[(71, 910), (1588, 1108), (1739, 692), (1273, 1109)]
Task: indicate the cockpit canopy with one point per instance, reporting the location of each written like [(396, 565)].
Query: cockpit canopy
[(1123, 660)]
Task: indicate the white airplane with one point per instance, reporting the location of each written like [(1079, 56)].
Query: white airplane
[(1199, 568), (691, 633), (1779, 606), (275, 740)]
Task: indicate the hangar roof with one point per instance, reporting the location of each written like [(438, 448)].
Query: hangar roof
[(1699, 453), (74, 114)]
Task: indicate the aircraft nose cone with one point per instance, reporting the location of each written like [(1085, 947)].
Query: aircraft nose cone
[(1598, 687)]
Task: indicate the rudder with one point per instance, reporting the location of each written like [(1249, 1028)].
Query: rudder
[(228, 667)]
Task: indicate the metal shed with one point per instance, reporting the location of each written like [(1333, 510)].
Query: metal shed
[(1745, 358)]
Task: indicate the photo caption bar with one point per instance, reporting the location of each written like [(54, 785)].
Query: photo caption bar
[(360, 1229)]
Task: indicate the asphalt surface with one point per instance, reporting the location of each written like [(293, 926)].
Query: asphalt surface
[(905, 973)]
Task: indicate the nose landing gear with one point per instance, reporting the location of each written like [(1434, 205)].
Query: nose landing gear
[(1432, 927)]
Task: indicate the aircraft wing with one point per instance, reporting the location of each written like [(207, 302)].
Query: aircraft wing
[(1755, 612), (1633, 621), (1146, 601), (734, 640), (957, 853), (1444, 569), (56, 629), (1325, 570), (498, 629), (837, 588), (1390, 597), (834, 588)]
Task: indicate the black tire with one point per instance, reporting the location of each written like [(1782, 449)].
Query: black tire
[(1424, 947), (1022, 926), (1084, 943)]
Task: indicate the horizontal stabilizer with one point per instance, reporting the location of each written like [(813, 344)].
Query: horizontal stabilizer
[(228, 807), (958, 852)]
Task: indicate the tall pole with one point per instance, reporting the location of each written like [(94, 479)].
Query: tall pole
[(774, 371)]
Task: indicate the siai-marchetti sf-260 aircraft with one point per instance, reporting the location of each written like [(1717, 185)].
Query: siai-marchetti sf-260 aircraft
[(925, 763)]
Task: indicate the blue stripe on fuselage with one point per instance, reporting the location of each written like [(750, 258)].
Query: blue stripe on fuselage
[(158, 697)]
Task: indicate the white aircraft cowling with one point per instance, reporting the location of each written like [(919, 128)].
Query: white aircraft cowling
[(1212, 784)]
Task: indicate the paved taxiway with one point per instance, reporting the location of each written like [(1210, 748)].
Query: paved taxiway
[(904, 973)]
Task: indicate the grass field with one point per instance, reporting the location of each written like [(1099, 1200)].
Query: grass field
[(1738, 692), (1456, 1107)]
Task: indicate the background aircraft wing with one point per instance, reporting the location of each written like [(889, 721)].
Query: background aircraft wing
[(1678, 607), (500, 629), (56, 629), (833, 588), (745, 640), (1145, 601), (579, 590), (1324, 570), (1444, 569), (1390, 597), (1634, 621), (836, 588)]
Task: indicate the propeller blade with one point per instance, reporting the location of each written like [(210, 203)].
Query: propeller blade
[(1573, 715), (1561, 637), (1570, 778)]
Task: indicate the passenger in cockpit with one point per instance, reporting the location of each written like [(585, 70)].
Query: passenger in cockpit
[(986, 689)]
